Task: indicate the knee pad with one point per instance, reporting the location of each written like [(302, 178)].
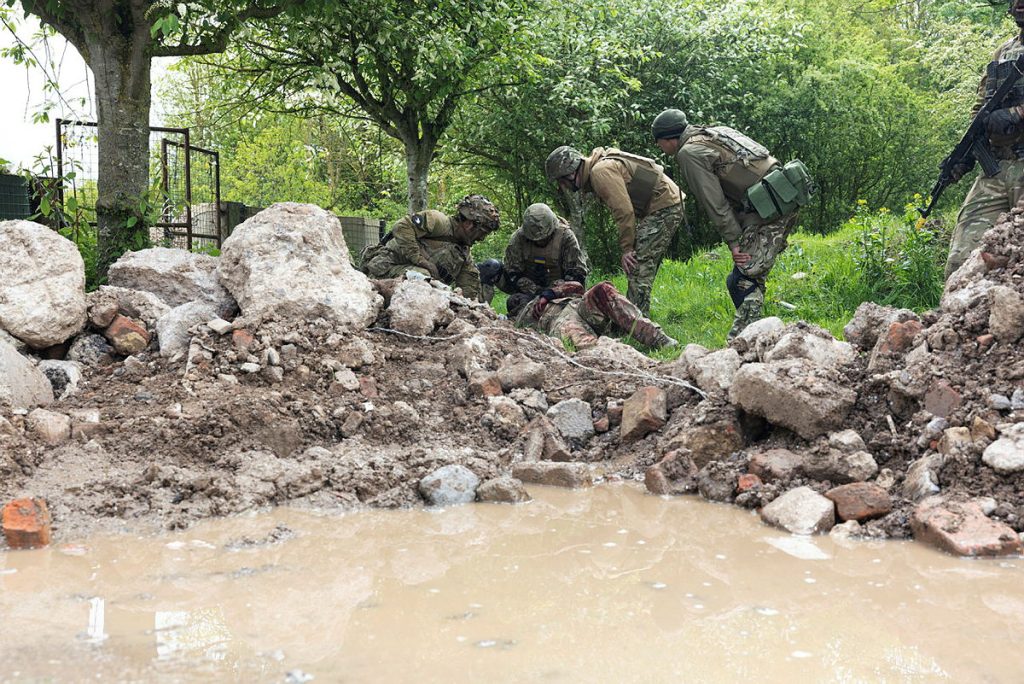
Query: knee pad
[(739, 286)]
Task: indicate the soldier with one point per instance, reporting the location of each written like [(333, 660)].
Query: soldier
[(436, 245), (545, 272), (646, 205), (728, 173), (990, 196)]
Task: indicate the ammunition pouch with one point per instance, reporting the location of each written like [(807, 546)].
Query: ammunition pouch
[(782, 191)]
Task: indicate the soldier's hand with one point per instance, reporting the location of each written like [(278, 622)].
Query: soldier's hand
[(539, 306), (739, 258), (629, 261), (959, 170), (1005, 121)]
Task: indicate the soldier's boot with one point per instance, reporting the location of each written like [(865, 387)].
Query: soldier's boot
[(626, 316)]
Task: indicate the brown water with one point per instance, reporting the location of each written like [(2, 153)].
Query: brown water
[(608, 585)]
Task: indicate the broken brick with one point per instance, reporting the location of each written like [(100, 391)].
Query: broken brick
[(26, 524)]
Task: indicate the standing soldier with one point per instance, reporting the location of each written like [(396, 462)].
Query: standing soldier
[(990, 196), (436, 245), (749, 196), (646, 205), (545, 272)]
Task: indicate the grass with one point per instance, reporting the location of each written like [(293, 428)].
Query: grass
[(876, 256)]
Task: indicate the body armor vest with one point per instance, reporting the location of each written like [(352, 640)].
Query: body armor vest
[(544, 264), (645, 179), (997, 71), (744, 160)]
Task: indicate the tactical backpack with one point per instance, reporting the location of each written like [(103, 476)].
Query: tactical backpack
[(753, 178)]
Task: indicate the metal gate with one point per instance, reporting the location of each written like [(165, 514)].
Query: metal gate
[(185, 180)]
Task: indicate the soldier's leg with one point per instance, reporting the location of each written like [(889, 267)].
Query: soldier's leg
[(746, 283), (653, 237), (569, 325), (603, 303), (987, 198)]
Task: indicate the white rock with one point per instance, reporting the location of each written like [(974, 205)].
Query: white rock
[(42, 291), (1006, 454), (714, 372), (49, 426), (172, 329), (22, 385), (176, 276), (798, 344), (801, 511), (290, 262), (64, 376), (347, 379), (417, 308), (573, 418), (219, 326)]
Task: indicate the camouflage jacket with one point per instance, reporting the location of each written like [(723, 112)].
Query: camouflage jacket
[(527, 263), (1008, 51), (427, 240)]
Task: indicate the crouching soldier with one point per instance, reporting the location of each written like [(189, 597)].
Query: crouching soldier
[(545, 272), (435, 245), (746, 192)]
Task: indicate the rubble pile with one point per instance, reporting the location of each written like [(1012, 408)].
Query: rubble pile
[(193, 386)]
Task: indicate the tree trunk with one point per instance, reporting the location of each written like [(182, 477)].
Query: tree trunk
[(121, 66), (418, 154)]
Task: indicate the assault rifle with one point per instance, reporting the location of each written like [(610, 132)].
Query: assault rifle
[(974, 144)]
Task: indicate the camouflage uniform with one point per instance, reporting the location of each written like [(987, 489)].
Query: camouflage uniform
[(435, 245), (990, 196), (648, 230), (704, 163), (600, 310), (531, 267)]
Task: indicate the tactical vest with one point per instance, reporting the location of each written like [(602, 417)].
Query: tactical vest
[(999, 69), (742, 160), (544, 264), (645, 179)]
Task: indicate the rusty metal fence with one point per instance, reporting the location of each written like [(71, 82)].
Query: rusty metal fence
[(185, 181)]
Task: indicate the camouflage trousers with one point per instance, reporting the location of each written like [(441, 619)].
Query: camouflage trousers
[(764, 242), (653, 237), (987, 198), (602, 309)]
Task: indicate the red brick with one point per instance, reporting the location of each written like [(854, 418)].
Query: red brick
[(485, 385), (126, 335), (986, 340), (242, 339), (776, 464), (962, 529), (746, 482), (860, 501), (643, 413), (368, 387), (941, 399), (26, 524), (900, 336)]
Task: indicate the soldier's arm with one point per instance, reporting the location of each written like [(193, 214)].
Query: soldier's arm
[(610, 187), (468, 279), (516, 268), (697, 164), (574, 264), (406, 233)]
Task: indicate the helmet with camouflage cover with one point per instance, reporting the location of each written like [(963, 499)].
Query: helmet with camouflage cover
[(562, 162), (669, 124), (539, 222), (480, 211)]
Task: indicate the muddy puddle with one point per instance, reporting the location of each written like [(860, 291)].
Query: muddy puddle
[(607, 585)]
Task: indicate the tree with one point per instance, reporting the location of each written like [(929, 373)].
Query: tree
[(404, 64), (118, 40)]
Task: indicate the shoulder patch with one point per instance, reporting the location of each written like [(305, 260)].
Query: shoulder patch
[(417, 220)]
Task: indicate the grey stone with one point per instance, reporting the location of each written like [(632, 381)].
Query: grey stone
[(219, 326), (870, 320), (172, 329), (801, 511), (1017, 399), (347, 379), (520, 372), (573, 418), (999, 402), (846, 440), (553, 473), (503, 489), (449, 486), (922, 479), (91, 350), (1006, 317), (801, 344), (138, 304), (251, 367), (50, 426), (793, 393), (530, 398), (841, 467), (64, 376), (758, 336), (42, 294), (714, 372)]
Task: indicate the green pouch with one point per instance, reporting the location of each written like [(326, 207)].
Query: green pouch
[(781, 187), (781, 191), (761, 200), (798, 175)]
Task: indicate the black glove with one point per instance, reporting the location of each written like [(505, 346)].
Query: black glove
[(490, 271), (960, 169), (1004, 121), (547, 294)]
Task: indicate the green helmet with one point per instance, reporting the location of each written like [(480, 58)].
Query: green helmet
[(480, 211), (539, 222), (669, 124), (561, 162)]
